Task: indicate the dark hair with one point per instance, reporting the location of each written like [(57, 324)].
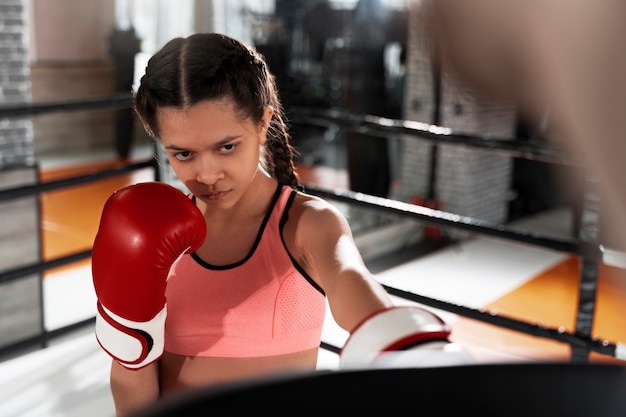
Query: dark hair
[(212, 66)]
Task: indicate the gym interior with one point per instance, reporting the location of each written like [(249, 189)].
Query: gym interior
[(458, 204)]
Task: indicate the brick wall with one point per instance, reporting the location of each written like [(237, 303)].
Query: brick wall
[(16, 135), (468, 182), (20, 300)]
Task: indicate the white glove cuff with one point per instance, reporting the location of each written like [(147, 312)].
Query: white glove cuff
[(392, 329), (132, 344)]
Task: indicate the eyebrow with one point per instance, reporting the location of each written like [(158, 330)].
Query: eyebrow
[(174, 148), (217, 144)]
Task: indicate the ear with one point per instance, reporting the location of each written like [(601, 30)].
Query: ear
[(265, 123)]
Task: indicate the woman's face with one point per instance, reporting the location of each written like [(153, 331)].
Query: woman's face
[(212, 151)]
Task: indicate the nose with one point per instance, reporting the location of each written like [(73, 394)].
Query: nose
[(208, 171)]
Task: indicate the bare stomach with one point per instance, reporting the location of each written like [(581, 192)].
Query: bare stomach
[(178, 372)]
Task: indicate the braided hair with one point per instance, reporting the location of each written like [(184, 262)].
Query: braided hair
[(212, 66)]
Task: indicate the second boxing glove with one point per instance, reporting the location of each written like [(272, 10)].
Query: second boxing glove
[(144, 228), (401, 336)]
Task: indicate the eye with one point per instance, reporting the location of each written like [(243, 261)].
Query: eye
[(228, 148), (182, 155)]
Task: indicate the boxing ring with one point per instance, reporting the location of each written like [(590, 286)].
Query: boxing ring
[(578, 385), (587, 247)]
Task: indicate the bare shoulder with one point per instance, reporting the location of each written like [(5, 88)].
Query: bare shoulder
[(321, 241), (314, 213)]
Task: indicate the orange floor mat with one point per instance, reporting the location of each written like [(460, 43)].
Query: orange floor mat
[(550, 299), (70, 216)]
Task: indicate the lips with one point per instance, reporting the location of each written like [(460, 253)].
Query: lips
[(217, 195)]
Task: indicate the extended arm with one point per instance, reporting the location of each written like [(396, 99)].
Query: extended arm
[(333, 259), (362, 306)]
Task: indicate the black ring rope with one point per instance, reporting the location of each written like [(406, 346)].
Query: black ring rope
[(384, 127), (27, 190), (46, 336), (114, 101), (576, 340), (38, 267), (446, 219), (330, 347)]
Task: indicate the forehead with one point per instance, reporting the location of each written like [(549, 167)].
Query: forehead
[(212, 113), (223, 108), (208, 120)]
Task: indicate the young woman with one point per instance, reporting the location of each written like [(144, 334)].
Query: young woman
[(250, 300)]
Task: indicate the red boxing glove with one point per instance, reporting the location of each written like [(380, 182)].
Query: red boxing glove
[(144, 228), (401, 336)]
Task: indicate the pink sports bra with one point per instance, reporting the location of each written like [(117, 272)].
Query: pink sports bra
[(263, 305)]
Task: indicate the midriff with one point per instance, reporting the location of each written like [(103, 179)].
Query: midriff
[(178, 372)]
